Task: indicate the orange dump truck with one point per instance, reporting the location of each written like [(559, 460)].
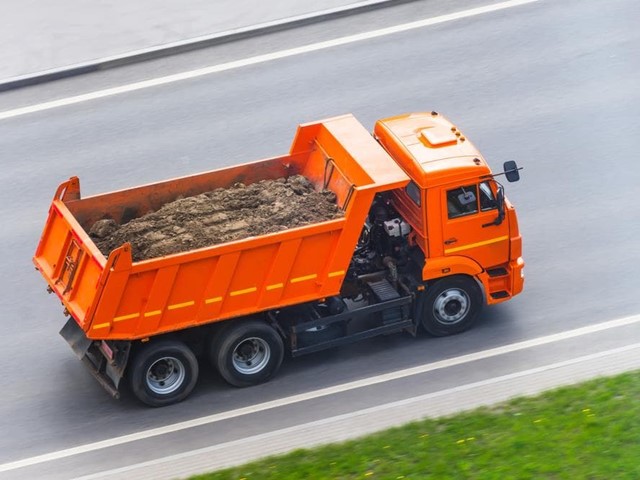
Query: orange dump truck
[(426, 238)]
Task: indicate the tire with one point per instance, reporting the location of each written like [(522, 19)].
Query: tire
[(163, 373), (246, 352), (451, 306)]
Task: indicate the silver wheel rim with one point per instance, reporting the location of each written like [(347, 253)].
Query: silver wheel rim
[(451, 306), (165, 375), (251, 355)]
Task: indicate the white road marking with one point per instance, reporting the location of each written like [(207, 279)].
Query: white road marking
[(260, 59), (249, 29), (387, 377), (409, 403)]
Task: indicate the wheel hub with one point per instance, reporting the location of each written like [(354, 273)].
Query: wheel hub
[(251, 355), (451, 306), (165, 375), (161, 370)]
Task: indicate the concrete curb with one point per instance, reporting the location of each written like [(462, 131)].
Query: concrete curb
[(182, 46), (348, 426)]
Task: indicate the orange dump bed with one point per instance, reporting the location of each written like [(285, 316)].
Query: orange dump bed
[(115, 298)]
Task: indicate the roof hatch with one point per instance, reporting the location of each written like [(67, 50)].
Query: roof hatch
[(437, 136)]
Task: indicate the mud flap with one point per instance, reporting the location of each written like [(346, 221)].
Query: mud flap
[(76, 338), (106, 362)]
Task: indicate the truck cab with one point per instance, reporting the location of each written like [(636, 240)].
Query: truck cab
[(459, 217)]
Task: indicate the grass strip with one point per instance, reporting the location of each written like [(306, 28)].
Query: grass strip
[(587, 431)]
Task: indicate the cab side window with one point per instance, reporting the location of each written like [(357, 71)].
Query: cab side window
[(487, 198), (413, 191), (462, 201)]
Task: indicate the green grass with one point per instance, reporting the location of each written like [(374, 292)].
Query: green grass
[(590, 431)]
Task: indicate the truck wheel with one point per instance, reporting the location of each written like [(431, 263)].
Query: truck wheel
[(163, 373), (451, 306), (247, 353)]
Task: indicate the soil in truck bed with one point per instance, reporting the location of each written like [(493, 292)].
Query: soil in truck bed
[(219, 216)]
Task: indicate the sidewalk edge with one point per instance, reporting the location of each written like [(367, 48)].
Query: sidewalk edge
[(191, 44)]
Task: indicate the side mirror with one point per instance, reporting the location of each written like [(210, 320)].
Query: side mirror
[(511, 171)]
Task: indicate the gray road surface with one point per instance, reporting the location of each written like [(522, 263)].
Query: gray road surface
[(560, 97), (45, 35)]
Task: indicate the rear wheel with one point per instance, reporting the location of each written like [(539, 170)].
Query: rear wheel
[(163, 373), (246, 353), (451, 306)]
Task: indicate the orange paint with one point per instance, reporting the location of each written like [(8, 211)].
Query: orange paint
[(114, 298), (126, 300)]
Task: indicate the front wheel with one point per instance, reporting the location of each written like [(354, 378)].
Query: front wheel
[(451, 306), (163, 373), (247, 352)]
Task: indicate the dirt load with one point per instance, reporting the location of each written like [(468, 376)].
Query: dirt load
[(219, 216)]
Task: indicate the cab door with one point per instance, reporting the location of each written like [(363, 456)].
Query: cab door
[(469, 227)]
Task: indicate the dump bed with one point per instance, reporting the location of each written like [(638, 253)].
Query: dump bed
[(116, 298)]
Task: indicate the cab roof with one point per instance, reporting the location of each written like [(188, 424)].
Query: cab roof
[(430, 149)]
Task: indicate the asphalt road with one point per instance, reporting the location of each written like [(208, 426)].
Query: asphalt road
[(52, 35), (552, 84)]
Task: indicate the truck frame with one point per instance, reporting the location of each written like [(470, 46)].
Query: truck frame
[(427, 237)]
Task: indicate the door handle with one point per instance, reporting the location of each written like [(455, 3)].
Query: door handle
[(449, 241)]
